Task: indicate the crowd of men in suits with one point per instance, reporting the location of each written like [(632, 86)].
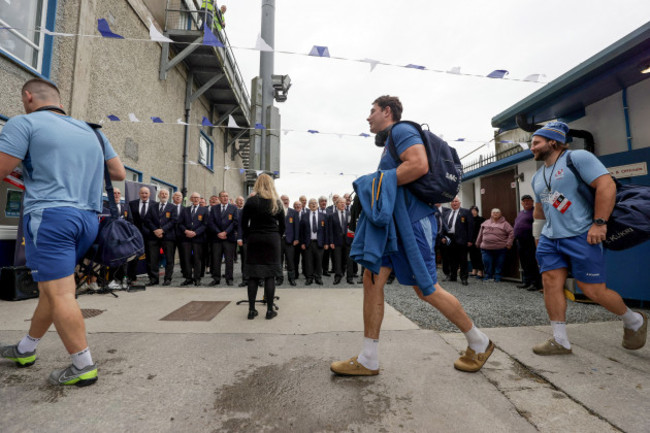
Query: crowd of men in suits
[(208, 234)]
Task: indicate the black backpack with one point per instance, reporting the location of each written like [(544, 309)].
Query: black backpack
[(629, 223), (442, 183)]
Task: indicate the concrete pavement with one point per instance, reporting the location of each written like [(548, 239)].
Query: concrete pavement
[(231, 374)]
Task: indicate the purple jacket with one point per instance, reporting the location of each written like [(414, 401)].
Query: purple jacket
[(495, 235)]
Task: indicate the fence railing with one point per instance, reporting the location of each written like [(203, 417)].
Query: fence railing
[(489, 158)]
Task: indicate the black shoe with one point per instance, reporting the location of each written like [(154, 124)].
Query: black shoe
[(252, 314), (243, 284), (452, 279), (309, 282), (260, 283), (187, 282), (270, 314), (337, 280), (229, 282), (167, 283), (319, 281), (326, 274), (152, 282), (279, 281), (197, 282), (390, 279), (213, 283), (533, 288), (292, 281), (360, 281), (464, 282), (446, 278), (350, 281)]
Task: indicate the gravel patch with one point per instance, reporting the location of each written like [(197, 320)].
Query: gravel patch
[(489, 305)]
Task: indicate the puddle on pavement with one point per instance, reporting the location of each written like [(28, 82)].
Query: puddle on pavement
[(300, 396)]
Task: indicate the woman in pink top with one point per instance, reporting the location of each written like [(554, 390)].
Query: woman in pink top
[(494, 239)]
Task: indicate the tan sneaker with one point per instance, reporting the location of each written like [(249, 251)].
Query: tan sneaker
[(351, 367), (634, 340), (551, 347), (471, 362)]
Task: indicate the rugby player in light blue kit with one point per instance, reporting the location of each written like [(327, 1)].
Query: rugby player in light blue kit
[(63, 170), (571, 231)]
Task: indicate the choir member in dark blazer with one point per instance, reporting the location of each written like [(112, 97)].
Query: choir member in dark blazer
[(338, 242), (313, 241), (223, 225), (161, 222), (193, 225)]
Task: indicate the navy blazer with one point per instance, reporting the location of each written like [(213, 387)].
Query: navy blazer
[(291, 226), (224, 222), (240, 228), (198, 223), (464, 227), (134, 207), (322, 233), (124, 212), (165, 220), (338, 235)]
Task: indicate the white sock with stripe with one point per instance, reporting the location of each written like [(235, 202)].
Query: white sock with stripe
[(369, 356)]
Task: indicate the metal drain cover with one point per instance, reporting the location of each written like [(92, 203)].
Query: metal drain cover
[(91, 312)]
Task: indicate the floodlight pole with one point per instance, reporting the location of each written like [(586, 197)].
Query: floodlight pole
[(266, 71)]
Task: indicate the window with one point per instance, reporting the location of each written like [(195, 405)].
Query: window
[(206, 151), (23, 40), (163, 185)]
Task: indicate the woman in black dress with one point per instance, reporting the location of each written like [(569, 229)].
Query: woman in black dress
[(474, 250), (263, 225)]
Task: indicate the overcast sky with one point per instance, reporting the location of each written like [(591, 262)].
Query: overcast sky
[(334, 96)]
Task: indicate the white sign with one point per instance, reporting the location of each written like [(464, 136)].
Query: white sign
[(629, 170)]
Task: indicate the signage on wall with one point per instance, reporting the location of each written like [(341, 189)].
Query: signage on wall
[(629, 170)]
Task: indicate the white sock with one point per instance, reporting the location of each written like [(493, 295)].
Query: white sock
[(559, 333), (477, 340), (369, 356), (82, 359), (28, 344), (632, 320)]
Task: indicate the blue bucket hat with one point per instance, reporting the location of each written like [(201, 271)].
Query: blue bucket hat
[(557, 131)]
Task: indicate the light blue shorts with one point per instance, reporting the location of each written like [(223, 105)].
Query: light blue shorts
[(425, 231), (586, 262), (56, 239)]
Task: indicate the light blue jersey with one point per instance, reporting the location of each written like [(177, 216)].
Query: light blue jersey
[(405, 136), (567, 212), (62, 160)]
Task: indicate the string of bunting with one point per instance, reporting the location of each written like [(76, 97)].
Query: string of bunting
[(210, 39)]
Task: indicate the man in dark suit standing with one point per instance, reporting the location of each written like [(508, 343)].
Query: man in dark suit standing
[(223, 224), (338, 241), (193, 225), (177, 202), (313, 241), (139, 209), (460, 227), (161, 222), (325, 210), (289, 240), (299, 254)]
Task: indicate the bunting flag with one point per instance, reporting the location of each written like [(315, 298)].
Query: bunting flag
[(156, 119), (412, 66), (498, 73), (261, 44), (210, 39), (459, 139), (105, 30), (277, 173), (155, 35), (363, 134), (232, 123), (318, 51), (373, 63), (132, 117), (535, 78), (113, 118), (259, 126), (454, 70), (206, 122), (524, 146), (242, 171), (226, 168), (312, 131), (180, 122), (258, 172)]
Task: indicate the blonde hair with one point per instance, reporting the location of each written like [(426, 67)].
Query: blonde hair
[(265, 188)]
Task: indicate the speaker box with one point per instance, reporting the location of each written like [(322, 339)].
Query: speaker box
[(16, 283)]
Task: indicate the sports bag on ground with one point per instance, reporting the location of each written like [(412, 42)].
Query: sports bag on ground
[(118, 240), (629, 223), (442, 182)]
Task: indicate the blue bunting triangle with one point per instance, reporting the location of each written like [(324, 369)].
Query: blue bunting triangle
[(113, 118), (498, 73), (157, 120), (259, 126), (206, 122), (210, 39), (318, 51), (105, 30)]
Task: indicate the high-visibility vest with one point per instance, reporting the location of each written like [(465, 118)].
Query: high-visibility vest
[(207, 5)]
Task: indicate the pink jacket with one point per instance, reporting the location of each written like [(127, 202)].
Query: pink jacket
[(495, 235)]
